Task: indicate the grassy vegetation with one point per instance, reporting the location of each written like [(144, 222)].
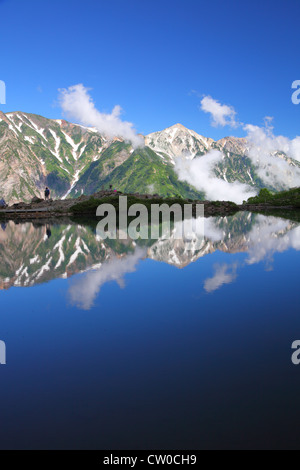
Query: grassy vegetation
[(289, 198), (142, 172)]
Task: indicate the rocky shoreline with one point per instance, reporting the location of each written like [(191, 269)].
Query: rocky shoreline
[(85, 206)]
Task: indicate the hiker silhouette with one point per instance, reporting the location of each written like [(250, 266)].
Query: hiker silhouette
[(47, 193)]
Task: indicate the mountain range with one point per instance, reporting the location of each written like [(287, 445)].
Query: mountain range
[(72, 160)]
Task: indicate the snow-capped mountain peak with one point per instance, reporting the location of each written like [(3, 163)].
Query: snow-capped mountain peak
[(177, 140)]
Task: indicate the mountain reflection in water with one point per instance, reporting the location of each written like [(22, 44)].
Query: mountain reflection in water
[(30, 256), (186, 343)]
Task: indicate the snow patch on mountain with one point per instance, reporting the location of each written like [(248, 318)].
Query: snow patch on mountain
[(73, 145), (177, 141), (57, 145), (39, 130)]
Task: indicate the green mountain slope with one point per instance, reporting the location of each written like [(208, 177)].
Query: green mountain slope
[(143, 172), (35, 152)]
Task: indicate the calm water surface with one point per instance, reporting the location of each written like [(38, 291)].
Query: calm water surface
[(150, 345)]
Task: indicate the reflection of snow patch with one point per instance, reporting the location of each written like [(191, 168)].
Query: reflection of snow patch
[(59, 245), (77, 252), (44, 268)]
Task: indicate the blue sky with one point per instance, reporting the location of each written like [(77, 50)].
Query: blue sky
[(155, 59)]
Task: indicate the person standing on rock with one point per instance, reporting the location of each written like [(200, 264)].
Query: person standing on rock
[(47, 193)]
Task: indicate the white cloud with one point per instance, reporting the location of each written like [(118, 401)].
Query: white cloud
[(274, 171), (224, 274), (221, 114), (264, 149), (84, 290), (77, 104), (199, 172)]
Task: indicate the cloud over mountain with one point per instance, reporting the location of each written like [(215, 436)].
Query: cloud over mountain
[(77, 103), (275, 158), (263, 144), (199, 172)]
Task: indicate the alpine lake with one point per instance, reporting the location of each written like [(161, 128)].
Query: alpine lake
[(150, 344)]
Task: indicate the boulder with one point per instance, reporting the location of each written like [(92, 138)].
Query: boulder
[(36, 200), (20, 205)]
